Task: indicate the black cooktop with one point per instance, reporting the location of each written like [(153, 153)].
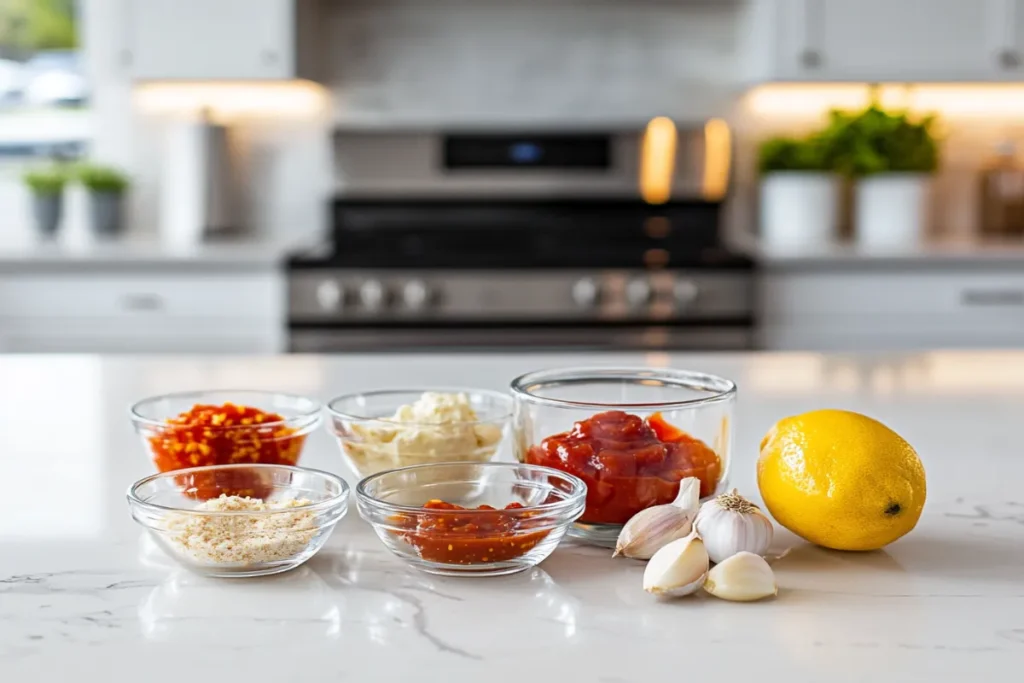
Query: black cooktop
[(584, 233)]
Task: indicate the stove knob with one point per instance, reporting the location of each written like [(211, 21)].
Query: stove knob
[(638, 293), (330, 295), (416, 295), (686, 293), (373, 295), (586, 292)]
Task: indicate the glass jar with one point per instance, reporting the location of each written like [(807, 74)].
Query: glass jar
[(630, 433)]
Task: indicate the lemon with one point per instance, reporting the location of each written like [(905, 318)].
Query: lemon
[(841, 480)]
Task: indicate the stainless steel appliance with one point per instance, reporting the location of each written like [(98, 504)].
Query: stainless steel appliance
[(199, 182), (545, 240)]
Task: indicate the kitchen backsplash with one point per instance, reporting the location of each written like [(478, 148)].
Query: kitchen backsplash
[(418, 64), (448, 62), (436, 64), (974, 119), (592, 62)]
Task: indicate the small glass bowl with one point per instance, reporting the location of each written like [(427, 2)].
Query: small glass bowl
[(550, 402), (239, 543), (392, 502), (372, 442), (178, 446)]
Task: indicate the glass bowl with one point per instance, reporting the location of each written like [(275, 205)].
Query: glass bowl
[(656, 426), (190, 524), (224, 435), (471, 542), (382, 430)]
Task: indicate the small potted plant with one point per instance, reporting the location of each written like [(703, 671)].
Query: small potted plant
[(47, 188), (106, 187), (893, 158), (799, 192)]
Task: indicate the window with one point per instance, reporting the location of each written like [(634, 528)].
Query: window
[(43, 91)]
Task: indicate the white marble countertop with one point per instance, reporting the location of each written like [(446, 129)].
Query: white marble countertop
[(32, 253), (83, 595), (933, 253)]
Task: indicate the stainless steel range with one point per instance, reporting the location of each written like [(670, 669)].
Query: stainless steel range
[(540, 240)]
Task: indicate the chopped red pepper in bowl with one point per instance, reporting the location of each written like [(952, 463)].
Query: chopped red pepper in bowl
[(225, 428)]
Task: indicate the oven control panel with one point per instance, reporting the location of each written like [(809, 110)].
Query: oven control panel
[(615, 295)]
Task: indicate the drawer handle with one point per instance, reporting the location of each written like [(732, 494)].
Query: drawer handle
[(810, 59), (143, 303), (1009, 59), (992, 297)]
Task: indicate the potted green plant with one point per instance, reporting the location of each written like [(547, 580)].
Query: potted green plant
[(799, 191), (106, 189), (46, 185), (893, 157)]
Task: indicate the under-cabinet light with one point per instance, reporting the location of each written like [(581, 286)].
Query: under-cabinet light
[(990, 101), (231, 100)]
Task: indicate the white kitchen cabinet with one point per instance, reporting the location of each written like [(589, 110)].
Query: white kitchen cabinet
[(886, 40), (203, 312), (219, 39), (902, 307)]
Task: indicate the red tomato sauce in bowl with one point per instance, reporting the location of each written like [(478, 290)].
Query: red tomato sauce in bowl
[(628, 463)]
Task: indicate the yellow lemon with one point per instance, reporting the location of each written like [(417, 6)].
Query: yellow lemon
[(841, 480)]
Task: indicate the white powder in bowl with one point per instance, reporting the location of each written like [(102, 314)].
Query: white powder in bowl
[(242, 539)]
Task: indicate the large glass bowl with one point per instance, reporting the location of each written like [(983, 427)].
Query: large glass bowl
[(175, 510), (175, 443), (372, 440), (657, 426), (471, 542)]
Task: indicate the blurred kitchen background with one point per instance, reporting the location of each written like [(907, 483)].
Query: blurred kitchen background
[(250, 176)]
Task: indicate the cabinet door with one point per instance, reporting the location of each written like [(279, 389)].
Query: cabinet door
[(200, 39), (64, 335), (908, 307), (887, 40), (141, 312), (141, 298)]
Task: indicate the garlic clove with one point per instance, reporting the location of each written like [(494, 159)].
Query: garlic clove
[(730, 524), (743, 577), (688, 497), (653, 528), (677, 569)]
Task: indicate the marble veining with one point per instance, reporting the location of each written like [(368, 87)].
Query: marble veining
[(85, 595)]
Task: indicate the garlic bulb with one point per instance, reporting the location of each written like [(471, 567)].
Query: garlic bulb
[(653, 528), (677, 569), (730, 524), (743, 577)]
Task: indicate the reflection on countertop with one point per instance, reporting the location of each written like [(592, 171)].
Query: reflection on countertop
[(190, 609), (83, 593)]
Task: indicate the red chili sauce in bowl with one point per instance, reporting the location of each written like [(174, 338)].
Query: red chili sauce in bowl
[(471, 538)]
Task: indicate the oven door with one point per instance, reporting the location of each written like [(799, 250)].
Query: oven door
[(320, 339)]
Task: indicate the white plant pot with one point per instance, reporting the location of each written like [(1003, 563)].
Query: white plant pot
[(891, 210), (799, 209)]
